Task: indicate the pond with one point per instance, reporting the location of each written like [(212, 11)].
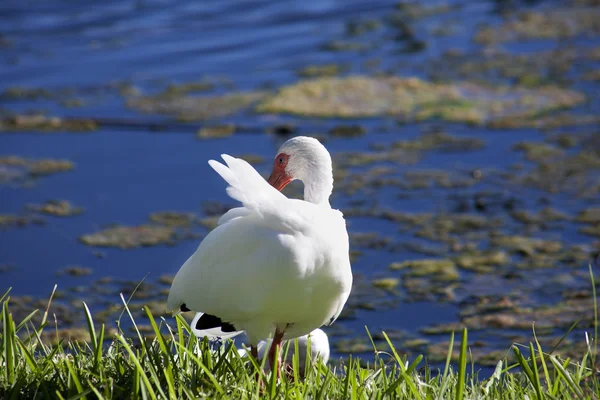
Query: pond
[(465, 138)]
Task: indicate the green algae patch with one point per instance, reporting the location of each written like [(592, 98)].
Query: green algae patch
[(75, 270), (177, 89), (343, 45), (436, 269), (418, 10), (440, 140), (321, 70), (25, 93), (482, 261), (19, 169), (353, 345), (173, 218), (542, 219), (593, 75), (413, 98), (369, 240), (59, 208), (530, 70), (191, 108), (536, 151), (559, 23), (527, 246), (546, 122), (11, 220), (591, 230), (386, 283), (42, 123), (347, 131), (590, 215), (216, 131), (354, 96), (126, 237), (570, 173)]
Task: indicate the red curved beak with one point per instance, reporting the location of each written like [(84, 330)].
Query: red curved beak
[(279, 179)]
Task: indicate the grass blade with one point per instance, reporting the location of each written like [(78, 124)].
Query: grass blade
[(445, 379), (566, 376), (138, 366), (8, 344), (536, 376), (462, 366)]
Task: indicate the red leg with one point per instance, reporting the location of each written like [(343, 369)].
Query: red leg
[(273, 352)]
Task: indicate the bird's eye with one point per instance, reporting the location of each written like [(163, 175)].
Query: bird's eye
[(281, 160)]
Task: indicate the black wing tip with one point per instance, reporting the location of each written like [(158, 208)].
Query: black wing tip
[(183, 308), (207, 321)]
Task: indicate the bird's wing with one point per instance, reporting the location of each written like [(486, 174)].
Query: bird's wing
[(256, 195), (214, 332), (236, 271)]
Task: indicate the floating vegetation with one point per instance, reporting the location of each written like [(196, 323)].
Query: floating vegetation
[(347, 131), (189, 108), (15, 168), (590, 215), (418, 10), (544, 217), (536, 151), (440, 140), (10, 220), (25, 93), (560, 23), (437, 269), (59, 208), (545, 122), (344, 45), (482, 261), (42, 123), (321, 70), (361, 27), (591, 230), (386, 283), (175, 89), (126, 237), (216, 131), (173, 218), (75, 271), (568, 172), (527, 246), (531, 69), (410, 98)]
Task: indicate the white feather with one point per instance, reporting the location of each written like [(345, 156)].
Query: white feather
[(273, 263)]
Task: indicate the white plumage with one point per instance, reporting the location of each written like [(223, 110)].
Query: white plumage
[(275, 266), (319, 348)]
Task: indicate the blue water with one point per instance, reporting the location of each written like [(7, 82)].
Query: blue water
[(124, 175)]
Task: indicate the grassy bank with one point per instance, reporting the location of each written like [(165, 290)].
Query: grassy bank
[(169, 363)]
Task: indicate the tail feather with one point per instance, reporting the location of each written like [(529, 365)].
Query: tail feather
[(245, 184), (213, 327)]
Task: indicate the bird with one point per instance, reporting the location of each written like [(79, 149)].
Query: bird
[(319, 345), (319, 349), (274, 267)]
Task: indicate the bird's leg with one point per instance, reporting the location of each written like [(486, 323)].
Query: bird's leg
[(274, 352)]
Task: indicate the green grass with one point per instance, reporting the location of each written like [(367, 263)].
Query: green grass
[(171, 363)]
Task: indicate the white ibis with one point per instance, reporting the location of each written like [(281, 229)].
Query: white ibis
[(274, 266)]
